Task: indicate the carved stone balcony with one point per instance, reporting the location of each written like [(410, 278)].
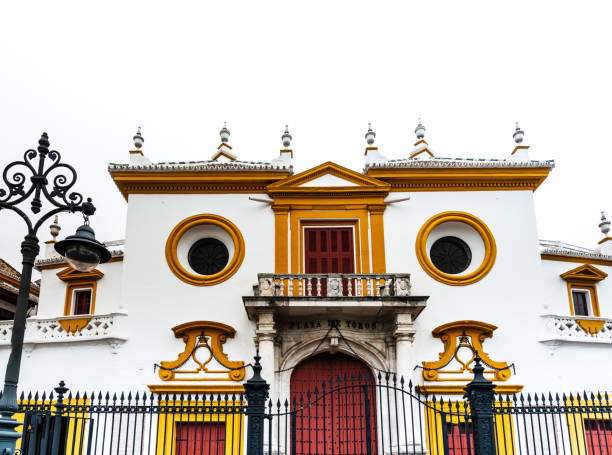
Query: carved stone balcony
[(577, 329), (366, 293), (332, 285), (67, 329)]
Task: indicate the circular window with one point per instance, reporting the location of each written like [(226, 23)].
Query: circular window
[(456, 248), (205, 249), (208, 256), (451, 255)]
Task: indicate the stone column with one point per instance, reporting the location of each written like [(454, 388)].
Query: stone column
[(404, 336), (265, 333), (404, 363)]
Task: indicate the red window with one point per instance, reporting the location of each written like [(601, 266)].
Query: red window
[(598, 434), (81, 301), (581, 307), (460, 438), (329, 250), (336, 421), (200, 438)]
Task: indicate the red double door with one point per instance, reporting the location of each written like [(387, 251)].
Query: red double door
[(329, 250), (340, 417)]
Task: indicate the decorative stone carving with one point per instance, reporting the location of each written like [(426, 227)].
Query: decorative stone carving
[(462, 337), (402, 285), (208, 337), (334, 286)]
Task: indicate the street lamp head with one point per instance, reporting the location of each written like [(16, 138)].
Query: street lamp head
[(82, 251)]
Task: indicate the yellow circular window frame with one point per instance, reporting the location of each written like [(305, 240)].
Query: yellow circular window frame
[(446, 278), (198, 220)]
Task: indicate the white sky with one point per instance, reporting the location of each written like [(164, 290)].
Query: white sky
[(90, 73)]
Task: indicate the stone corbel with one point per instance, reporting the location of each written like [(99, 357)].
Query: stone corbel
[(404, 327), (266, 326)]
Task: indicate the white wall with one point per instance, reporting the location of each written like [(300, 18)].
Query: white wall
[(518, 289)]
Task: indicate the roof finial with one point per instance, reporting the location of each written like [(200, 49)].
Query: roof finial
[(420, 130), (224, 133), (604, 225), (370, 135), (518, 135), (286, 138), (55, 228), (138, 139)]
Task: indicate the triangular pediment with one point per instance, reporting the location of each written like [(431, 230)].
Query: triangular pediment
[(70, 274), (585, 272), (330, 176)]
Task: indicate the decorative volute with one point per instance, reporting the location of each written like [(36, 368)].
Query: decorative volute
[(137, 158), (605, 244), (520, 152), (421, 150), (224, 151), (371, 152)]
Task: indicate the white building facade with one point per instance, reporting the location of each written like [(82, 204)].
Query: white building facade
[(411, 266)]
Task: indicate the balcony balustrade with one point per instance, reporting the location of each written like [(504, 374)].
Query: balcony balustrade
[(332, 285), (579, 329), (53, 330)]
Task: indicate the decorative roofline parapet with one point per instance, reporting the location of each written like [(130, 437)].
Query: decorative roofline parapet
[(459, 163), (201, 166)]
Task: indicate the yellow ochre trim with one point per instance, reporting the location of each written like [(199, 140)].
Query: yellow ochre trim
[(590, 326), (78, 280), (461, 179), (446, 278), (578, 260), (505, 389), (581, 286), (168, 422), (585, 277), (80, 285), (281, 239), (198, 220), (328, 168), (195, 388), (356, 218), (377, 230), (586, 273), (136, 152), (216, 335), (450, 334), (59, 265), (576, 420), (455, 413), (189, 182), (605, 239)]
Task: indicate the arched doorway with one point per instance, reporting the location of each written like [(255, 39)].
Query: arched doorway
[(334, 400)]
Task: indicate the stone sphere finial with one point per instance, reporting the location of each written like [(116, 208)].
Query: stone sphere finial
[(420, 130), (518, 135), (224, 133), (604, 225), (286, 138), (55, 228), (370, 135), (138, 139)]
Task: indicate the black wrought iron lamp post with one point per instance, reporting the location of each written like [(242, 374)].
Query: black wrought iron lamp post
[(51, 181)]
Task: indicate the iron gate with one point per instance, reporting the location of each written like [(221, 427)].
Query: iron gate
[(347, 415)]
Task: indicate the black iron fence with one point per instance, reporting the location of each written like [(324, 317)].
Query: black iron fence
[(345, 415)]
